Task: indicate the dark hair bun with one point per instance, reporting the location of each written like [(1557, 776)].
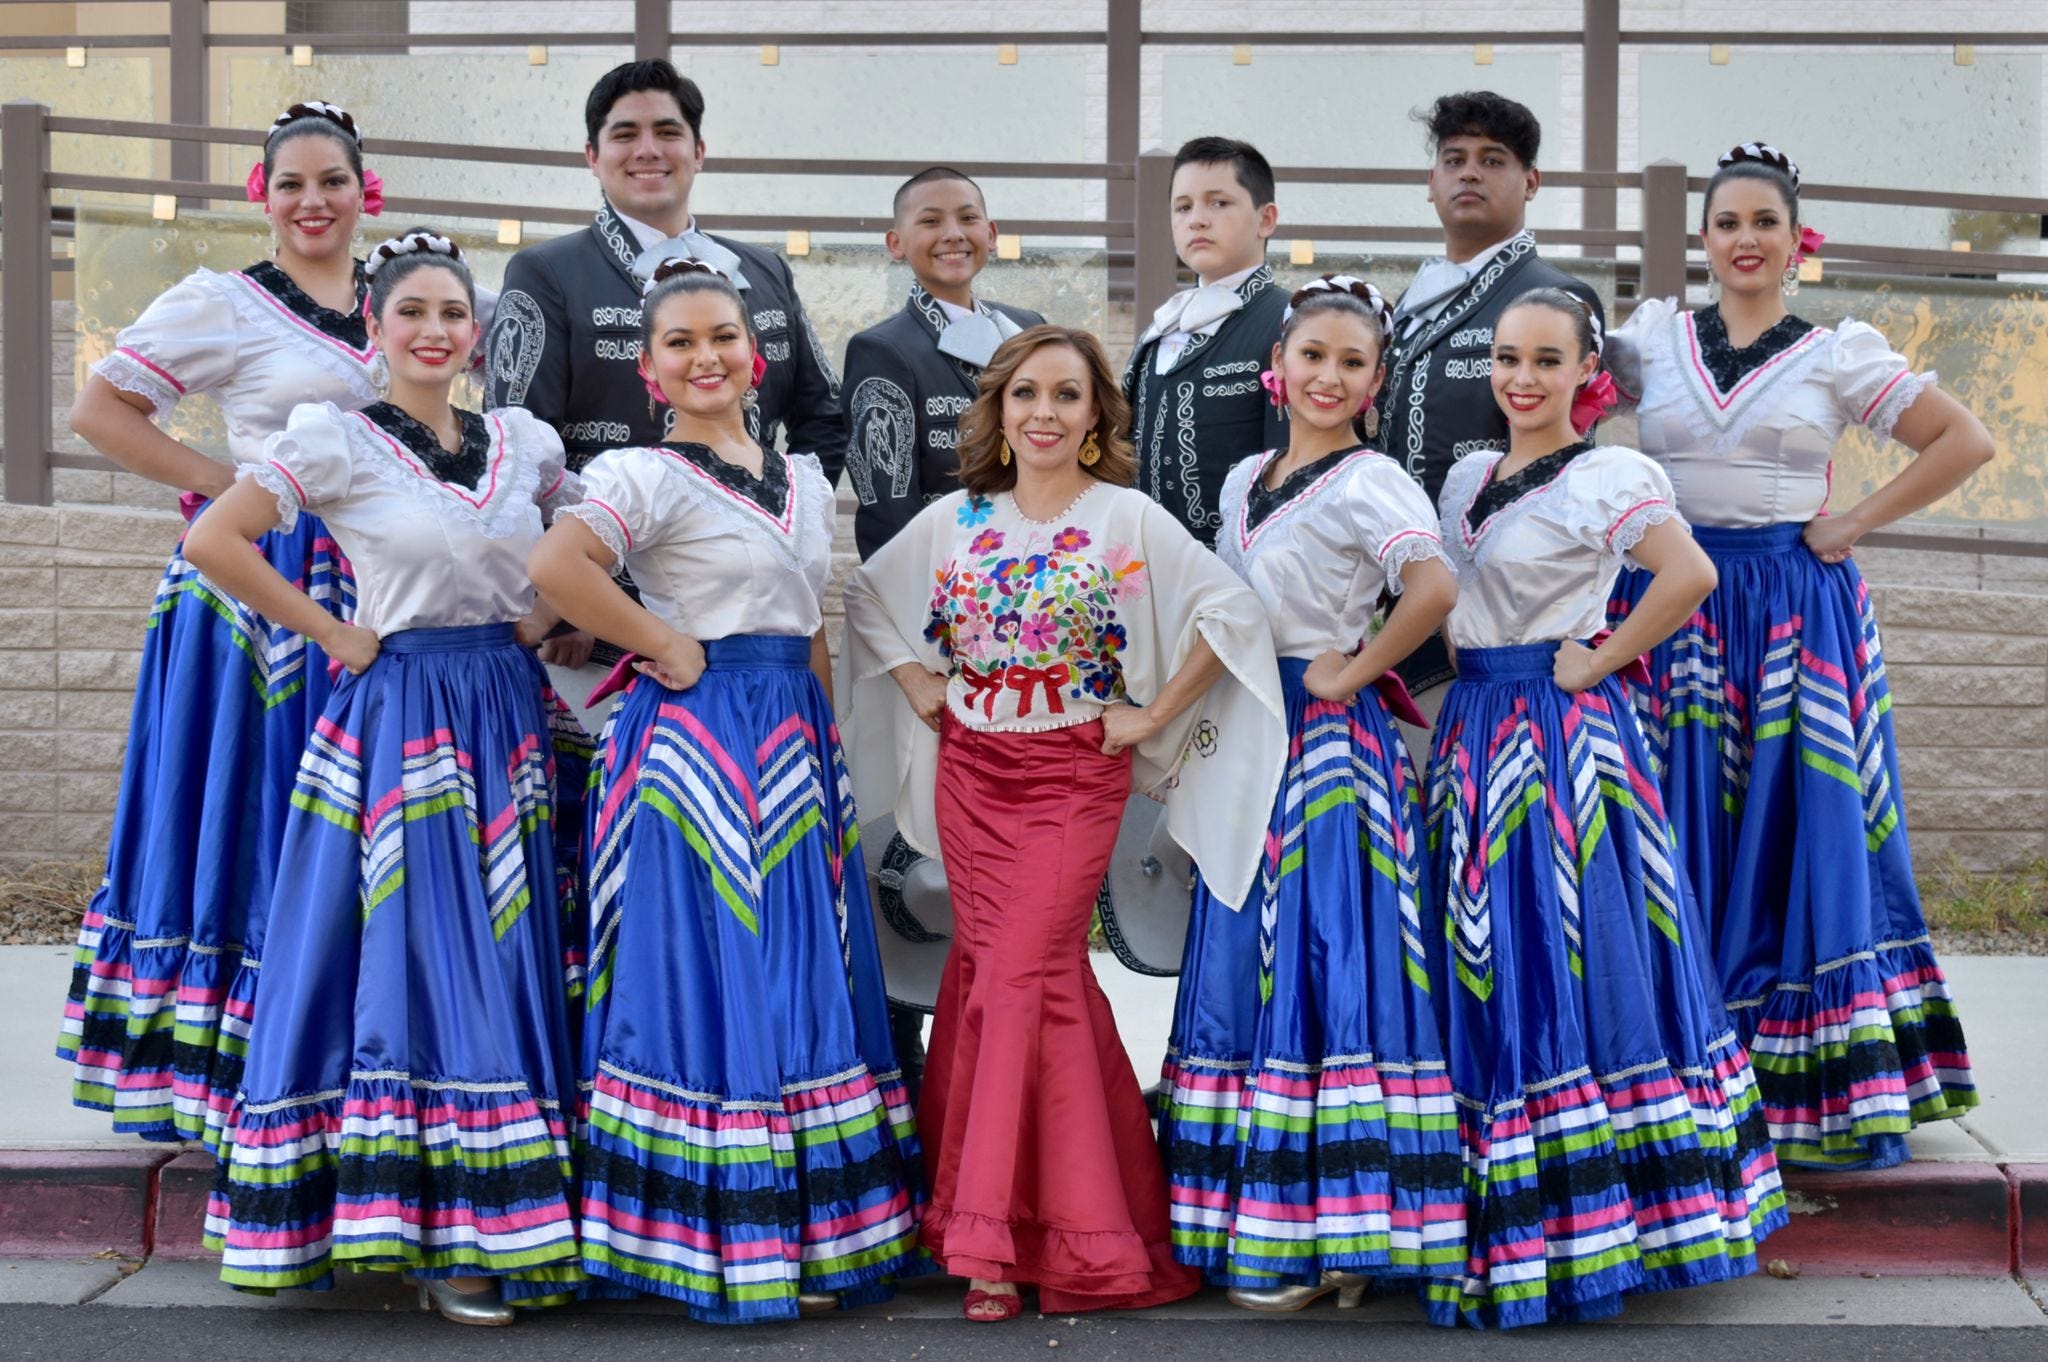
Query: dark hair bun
[(318, 108)]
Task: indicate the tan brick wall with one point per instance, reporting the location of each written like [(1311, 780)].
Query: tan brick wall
[(75, 590), (1969, 669)]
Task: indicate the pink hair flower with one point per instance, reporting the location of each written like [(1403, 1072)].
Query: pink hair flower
[(1594, 401), (373, 193)]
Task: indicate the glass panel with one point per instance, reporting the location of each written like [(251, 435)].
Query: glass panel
[(912, 105), (106, 87), (1352, 109), (1989, 342), (125, 260), (1972, 129)]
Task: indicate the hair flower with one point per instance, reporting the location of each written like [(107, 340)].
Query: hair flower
[(1594, 400), (373, 192), (257, 184), (1809, 244)]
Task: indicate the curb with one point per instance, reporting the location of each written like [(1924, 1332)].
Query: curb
[(1918, 1220), (57, 1203)]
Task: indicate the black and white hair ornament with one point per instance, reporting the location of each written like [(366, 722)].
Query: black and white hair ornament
[(412, 243), (676, 266), (1762, 153), (319, 108), (1345, 283)]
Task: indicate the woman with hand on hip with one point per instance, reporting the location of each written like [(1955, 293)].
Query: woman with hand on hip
[(1614, 1142), (158, 1014), (404, 1104), (1024, 654), (1308, 1125), (747, 1148), (1769, 709)]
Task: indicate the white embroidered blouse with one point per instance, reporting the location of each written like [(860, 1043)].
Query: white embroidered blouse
[(1042, 624), (1762, 451), (1542, 567), (713, 560), (426, 553), (1320, 559), (228, 337)]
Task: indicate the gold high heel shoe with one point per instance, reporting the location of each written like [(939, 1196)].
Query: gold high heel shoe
[(1349, 1286), (462, 1307)]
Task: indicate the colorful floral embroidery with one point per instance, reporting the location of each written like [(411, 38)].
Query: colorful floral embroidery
[(1038, 621)]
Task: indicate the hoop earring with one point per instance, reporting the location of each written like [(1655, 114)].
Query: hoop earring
[(380, 373), (1090, 451), (1003, 453)]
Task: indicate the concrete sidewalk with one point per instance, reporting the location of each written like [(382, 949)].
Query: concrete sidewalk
[(1973, 1202)]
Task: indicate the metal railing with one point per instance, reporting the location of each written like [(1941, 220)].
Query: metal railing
[(1136, 227)]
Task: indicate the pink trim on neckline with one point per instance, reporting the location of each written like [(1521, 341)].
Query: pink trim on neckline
[(788, 519), (1465, 511), (1692, 337), (1247, 533), (360, 356), (165, 374), (405, 457)]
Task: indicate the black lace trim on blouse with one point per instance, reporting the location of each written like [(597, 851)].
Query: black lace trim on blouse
[(770, 491), (463, 467), (1260, 502), (1727, 363), (346, 327), (1500, 493)]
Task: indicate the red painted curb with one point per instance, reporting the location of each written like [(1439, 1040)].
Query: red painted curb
[(58, 1203), (182, 1186), (1918, 1220), (2030, 1235)]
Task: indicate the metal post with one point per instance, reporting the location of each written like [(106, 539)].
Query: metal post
[(190, 100), (650, 29), (1601, 114), (1664, 231), (1122, 76), (1153, 228), (25, 302)]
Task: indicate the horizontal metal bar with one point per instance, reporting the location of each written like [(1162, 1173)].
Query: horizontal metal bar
[(1905, 198), (1416, 176), (1344, 231), (1957, 262), (57, 42), (944, 38), (1391, 37), (1650, 37), (91, 463), (1955, 543), (573, 160), (574, 217)]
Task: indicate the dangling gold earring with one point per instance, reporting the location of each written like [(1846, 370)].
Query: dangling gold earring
[(1003, 454), (1090, 451)]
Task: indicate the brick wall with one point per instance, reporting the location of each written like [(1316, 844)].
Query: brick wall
[(1968, 666), (75, 590)]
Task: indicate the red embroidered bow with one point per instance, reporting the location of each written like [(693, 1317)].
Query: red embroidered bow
[(1024, 680)]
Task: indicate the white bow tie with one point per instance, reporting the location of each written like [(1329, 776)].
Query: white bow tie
[(1193, 310), (692, 244), (1433, 283), (974, 337)]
